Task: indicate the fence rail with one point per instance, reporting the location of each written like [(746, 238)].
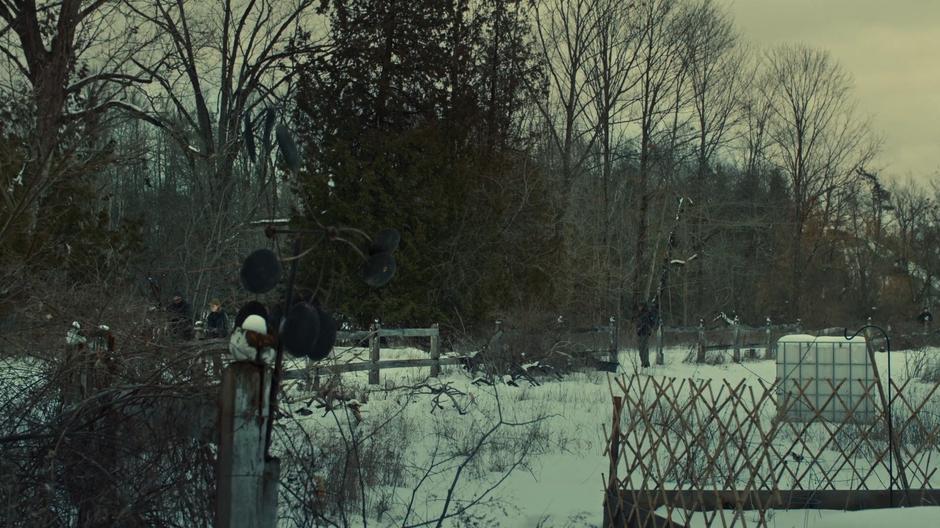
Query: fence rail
[(374, 366), (369, 366), (745, 341)]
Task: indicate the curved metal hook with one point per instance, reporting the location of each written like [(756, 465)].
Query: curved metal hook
[(846, 335)]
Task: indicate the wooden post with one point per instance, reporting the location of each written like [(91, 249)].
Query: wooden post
[(769, 352), (436, 350), (374, 348), (614, 347), (660, 357), (613, 505), (611, 339), (309, 382), (245, 486), (614, 444), (701, 342), (736, 334), (799, 325), (269, 488)]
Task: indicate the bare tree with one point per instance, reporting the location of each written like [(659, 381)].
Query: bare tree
[(566, 30), (224, 70), (713, 62), (75, 60), (915, 214), (755, 113), (660, 66), (613, 67), (714, 66), (816, 139)]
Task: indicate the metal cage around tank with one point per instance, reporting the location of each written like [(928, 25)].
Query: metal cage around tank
[(831, 377)]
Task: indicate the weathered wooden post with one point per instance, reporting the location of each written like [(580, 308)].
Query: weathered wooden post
[(436, 350), (316, 379), (751, 351), (799, 325), (312, 380), (613, 506), (614, 448), (660, 357), (612, 348), (247, 484), (736, 335), (769, 352), (702, 345), (374, 340), (868, 323)]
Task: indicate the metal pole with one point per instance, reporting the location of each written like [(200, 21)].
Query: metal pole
[(893, 451), (279, 360)]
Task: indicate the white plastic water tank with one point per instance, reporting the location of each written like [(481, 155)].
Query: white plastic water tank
[(834, 375)]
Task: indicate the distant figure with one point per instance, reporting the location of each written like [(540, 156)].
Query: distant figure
[(645, 322), (181, 317), (216, 321), (925, 317)]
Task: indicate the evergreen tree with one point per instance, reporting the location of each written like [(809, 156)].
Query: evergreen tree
[(409, 124)]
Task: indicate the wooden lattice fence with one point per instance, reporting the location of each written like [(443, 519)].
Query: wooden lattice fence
[(727, 452)]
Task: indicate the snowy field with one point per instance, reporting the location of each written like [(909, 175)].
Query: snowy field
[(562, 481)]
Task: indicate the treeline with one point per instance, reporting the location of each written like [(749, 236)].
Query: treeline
[(532, 153)]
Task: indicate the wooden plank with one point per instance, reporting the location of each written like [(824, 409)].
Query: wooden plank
[(319, 370), (660, 358), (709, 500), (374, 353), (588, 330), (409, 332), (731, 346), (769, 352), (359, 335), (436, 352), (624, 514), (367, 365), (363, 335), (614, 447), (736, 355), (612, 348)]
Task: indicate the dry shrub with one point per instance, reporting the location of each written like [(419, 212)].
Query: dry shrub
[(712, 357), (923, 363), (530, 336), (102, 438)]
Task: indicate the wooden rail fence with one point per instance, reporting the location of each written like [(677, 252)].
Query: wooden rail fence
[(742, 340), (374, 366)]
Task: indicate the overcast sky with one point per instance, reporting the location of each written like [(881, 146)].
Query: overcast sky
[(891, 48)]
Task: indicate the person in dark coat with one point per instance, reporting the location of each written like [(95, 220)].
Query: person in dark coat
[(216, 321), (925, 318), (925, 315), (181, 317), (645, 323)]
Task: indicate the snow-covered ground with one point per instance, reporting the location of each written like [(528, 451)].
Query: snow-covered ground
[(561, 481), (561, 484)]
